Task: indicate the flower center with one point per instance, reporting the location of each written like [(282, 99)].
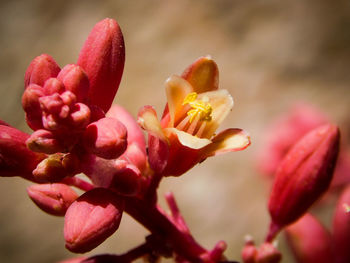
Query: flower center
[(201, 108)]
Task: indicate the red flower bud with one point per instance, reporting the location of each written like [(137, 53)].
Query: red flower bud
[(74, 260), (53, 199), (106, 138), (268, 253), (303, 176), (15, 158), (51, 169), (249, 251), (41, 69), (91, 219), (44, 141), (75, 80), (135, 134), (309, 240), (53, 85), (102, 58), (341, 228), (127, 179), (31, 105)]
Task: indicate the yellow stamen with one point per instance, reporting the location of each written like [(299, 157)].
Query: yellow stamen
[(200, 108)]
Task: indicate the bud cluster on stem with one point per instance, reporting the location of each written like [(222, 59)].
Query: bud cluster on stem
[(77, 130)]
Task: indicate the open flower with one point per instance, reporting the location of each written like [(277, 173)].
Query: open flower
[(195, 109)]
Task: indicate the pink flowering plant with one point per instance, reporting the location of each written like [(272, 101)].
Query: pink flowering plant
[(77, 130)]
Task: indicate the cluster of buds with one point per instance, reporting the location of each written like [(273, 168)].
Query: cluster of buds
[(78, 130)]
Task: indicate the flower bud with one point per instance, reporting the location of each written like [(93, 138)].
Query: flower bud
[(341, 228), (80, 116), (102, 58), (309, 240), (284, 132), (74, 260), (31, 105), (127, 179), (249, 251), (75, 80), (53, 199), (53, 85), (50, 169), (91, 219), (44, 141), (106, 138), (41, 69), (15, 158), (303, 176), (268, 253)]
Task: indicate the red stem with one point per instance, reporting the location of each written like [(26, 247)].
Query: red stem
[(159, 224)]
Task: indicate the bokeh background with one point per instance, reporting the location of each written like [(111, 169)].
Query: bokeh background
[(270, 54)]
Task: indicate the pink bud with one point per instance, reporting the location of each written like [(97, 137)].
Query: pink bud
[(135, 134), (136, 156), (74, 260), (249, 251), (53, 199), (44, 141), (91, 219), (102, 58), (303, 176), (268, 253), (53, 85), (75, 80), (80, 115), (41, 69), (31, 105), (50, 169), (341, 228), (127, 179), (309, 240), (285, 131), (107, 138), (15, 158)]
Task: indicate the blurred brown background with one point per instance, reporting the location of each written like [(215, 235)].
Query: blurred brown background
[(270, 53)]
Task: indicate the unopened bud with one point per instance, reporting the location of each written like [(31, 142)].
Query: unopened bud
[(341, 228), (53, 85), (310, 241), (75, 80), (31, 105), (303, 176), (53, 199), (74, 260), (106, 138), (127, 179), (44, 141), (50, 169), (102, 58), (91, 219), (80, 116), (15, 158), (249, 251), (268, 253), (135, 134), (41, 69)]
